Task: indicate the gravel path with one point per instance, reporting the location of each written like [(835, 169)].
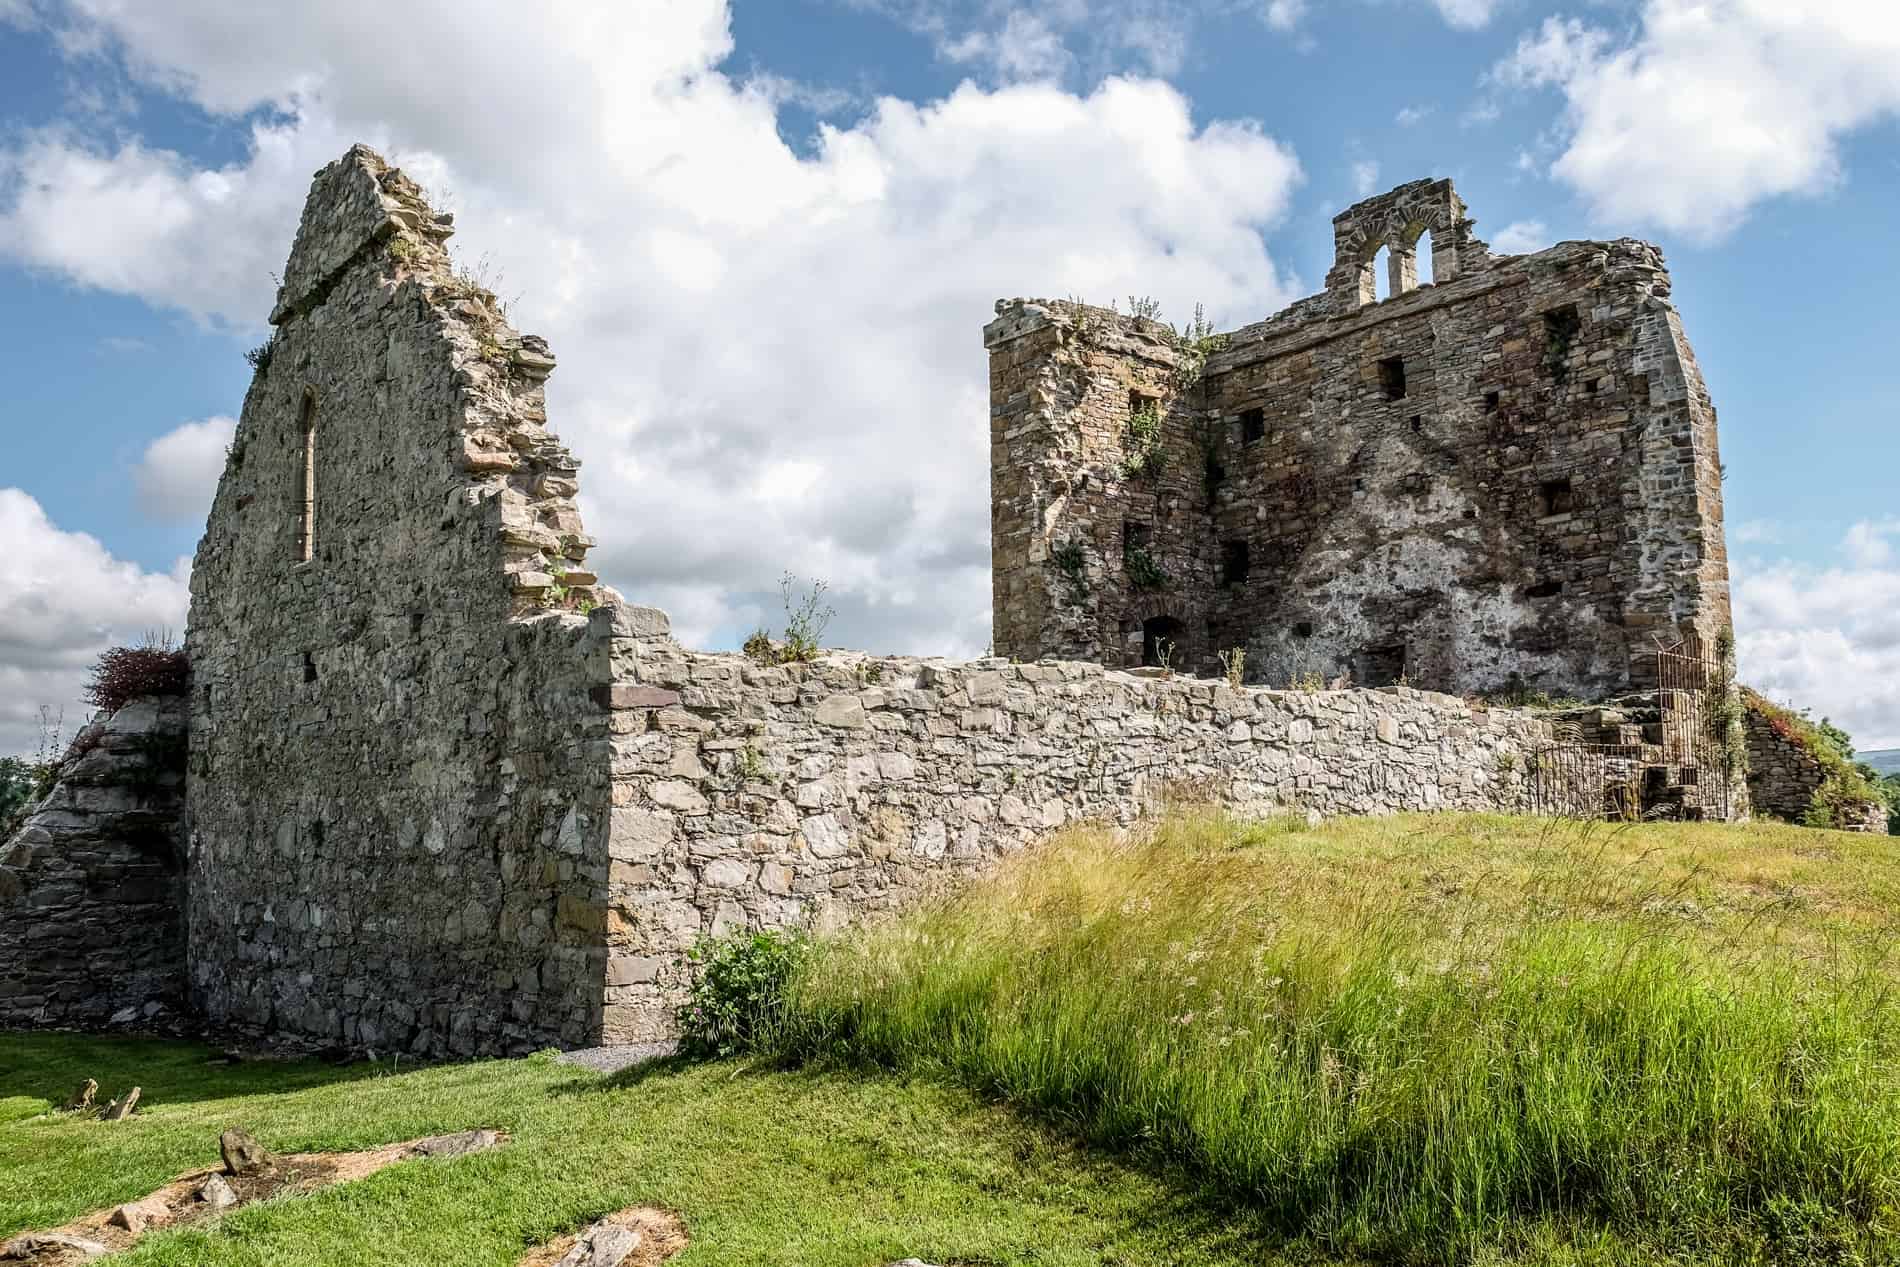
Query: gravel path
[(615, 1058)]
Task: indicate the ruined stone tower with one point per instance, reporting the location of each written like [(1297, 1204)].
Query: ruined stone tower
[(1506, 473)]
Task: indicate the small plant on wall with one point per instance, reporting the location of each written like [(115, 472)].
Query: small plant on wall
[(1144, 573), (1142, 455)]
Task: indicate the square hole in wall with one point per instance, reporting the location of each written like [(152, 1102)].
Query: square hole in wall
[(1138, 401), (1253, 425), (1491, 400), (1136, 535), (1555, 497), (1382, 666), (1418, 423), (1234, 562), (1544, 589), (1392, 377), (1303, 629)]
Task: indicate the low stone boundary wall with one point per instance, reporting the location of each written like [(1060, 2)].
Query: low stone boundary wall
[(91, 890), (822, 792), (1783, 777)]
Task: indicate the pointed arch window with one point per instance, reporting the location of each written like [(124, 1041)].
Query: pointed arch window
[(307, 503)]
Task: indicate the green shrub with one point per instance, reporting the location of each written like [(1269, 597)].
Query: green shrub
[(738, 991)]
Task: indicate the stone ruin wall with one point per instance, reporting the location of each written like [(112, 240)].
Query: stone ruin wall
[(92, 885), (747, 796), (397, 794), (1783, 777), (427, 812), (1538, 498)]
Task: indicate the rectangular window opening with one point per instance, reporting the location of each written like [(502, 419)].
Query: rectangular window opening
[(1234, 562), (1392, 377), (415, 623), (1555, 497), (1418, 422), (1136, 535), (1544, 589), (1304, 629), (1382, 666), (1139, 401), (309, 667), (1491, 400), (1253, 425)]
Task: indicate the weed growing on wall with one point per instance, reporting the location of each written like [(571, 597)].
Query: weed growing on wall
[(1143, 454), (807, 616), (123, 674), (258, 358), (1233, 663)]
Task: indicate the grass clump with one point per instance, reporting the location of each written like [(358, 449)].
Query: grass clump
[(1426, 1040), (806, 617)]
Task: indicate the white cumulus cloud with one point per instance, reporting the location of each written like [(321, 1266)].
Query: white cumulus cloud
[(1827, 638), (1521, 237), (769, 353), (1711, 106), (63, 600), (179, 471)]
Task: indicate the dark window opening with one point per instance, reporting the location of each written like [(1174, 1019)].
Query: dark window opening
[(1382, 666), (1160, 641), (207, 697), (1590, 387), (316, 833), (1392, 377), (1234, 562), (1136, 535), (1471, 513), (1555, 497), (1545, 589), (1561, 327), (1418, 422), (309, 667), (1303, 629), (1491, 400), (415, 623), (1138, 401), (1253, 425), (1358, 486)]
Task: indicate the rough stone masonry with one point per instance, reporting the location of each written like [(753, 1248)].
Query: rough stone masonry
[(1508, 474), (445, 793)]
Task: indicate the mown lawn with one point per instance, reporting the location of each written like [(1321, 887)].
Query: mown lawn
[(765, 1167)]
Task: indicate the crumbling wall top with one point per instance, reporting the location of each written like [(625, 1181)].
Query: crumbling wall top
[(354, 203)]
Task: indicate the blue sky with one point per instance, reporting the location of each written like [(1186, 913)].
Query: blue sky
[(763, 237)]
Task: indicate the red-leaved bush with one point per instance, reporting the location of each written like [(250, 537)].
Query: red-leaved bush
[(124, 674)]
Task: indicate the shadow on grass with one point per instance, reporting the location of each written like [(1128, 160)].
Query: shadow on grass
[(50, 1066), (1201, 1215)]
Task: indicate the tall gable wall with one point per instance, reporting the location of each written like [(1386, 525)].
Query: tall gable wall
[(1511, 473), (397, 818)]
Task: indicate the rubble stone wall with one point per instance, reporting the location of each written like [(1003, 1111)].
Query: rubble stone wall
[(748, 796), (92, 900), (1783, 776), (1510, 472), (398, 787)]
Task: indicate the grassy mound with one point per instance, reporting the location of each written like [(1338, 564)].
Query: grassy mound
[(1429, 1039)]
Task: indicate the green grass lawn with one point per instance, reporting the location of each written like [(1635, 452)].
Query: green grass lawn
[(1456, 1039), (1429, 1038), (765, 1167)]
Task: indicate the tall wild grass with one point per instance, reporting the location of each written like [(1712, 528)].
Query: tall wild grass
[(1464, 1037)]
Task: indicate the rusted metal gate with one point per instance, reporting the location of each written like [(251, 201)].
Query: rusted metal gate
[(1662, 757)]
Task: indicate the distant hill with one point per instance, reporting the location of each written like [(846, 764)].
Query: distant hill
[(1886, 760)]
